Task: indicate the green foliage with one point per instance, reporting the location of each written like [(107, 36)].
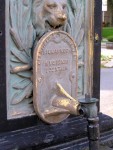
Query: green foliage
[(107, 32), (110, 2), (105, 58), (110, 38)]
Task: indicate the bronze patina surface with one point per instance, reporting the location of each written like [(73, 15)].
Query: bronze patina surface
[(53, 15), (54, 68)]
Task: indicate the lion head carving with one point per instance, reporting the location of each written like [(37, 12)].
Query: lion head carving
[(49, 15)]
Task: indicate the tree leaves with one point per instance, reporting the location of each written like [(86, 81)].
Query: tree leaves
[(110, 3)]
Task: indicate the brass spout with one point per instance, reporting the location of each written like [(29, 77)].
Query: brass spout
[(63, 103), (70, 105)]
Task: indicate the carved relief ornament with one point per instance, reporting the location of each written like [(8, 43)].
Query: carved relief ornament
[(26, 26)]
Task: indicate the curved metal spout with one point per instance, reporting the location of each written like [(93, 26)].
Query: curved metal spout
[(70, 105), (66, 102), (63, 104)]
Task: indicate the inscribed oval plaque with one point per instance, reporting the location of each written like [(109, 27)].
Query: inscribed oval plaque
[(54, 61)]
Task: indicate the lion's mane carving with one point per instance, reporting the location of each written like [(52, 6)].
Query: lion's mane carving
[(49, 15)]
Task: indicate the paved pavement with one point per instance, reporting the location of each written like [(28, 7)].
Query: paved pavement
[(106, 92), (107, 52), (106, 86)]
